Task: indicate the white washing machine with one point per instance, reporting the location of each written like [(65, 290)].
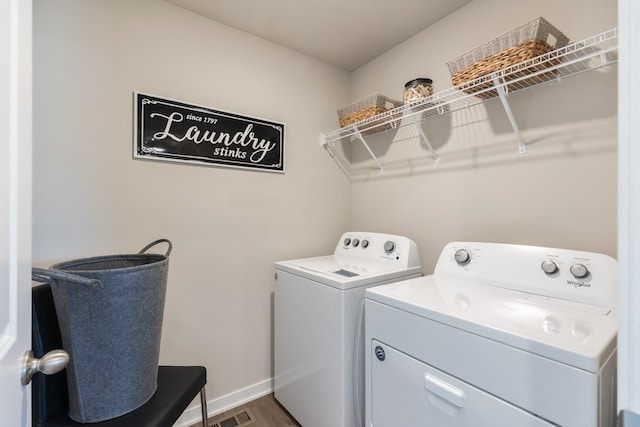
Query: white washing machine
[(319, 325), (499, 335)]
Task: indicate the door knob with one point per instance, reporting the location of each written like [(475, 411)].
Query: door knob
[(51, 363)]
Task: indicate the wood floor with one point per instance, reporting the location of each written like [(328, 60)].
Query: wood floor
[(262, 412)]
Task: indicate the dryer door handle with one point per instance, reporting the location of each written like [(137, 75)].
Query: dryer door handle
[(445, 391)]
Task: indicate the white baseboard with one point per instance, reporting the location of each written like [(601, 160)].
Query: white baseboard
[(224, 403)]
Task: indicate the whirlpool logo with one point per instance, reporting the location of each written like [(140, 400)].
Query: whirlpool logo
[(578, 284)]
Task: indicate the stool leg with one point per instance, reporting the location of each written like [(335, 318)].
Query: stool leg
[(203, 405)]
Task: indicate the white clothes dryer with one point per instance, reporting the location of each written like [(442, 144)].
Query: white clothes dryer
[(319, 325), (499, 335)]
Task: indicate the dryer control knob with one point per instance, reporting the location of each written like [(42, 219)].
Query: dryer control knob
[(389, 246), (347, 241), (355, 242), (462, 256), (365, 244), (549, 266), (579, 271)]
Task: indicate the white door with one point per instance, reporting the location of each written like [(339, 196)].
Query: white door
[(15, 208), (407, 392)]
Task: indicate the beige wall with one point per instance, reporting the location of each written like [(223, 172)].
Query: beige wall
[(227, 226), (561, 193)]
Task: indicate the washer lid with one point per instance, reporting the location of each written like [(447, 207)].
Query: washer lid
[(576, 334), (344, 272)]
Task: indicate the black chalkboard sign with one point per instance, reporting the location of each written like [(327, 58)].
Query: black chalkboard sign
[(175, 131)]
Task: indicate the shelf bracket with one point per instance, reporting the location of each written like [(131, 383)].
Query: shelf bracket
[(373, 156), (502, 93), (436, 159), (603, 59)]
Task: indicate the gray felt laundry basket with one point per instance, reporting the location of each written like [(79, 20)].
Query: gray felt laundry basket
[(110, 311)]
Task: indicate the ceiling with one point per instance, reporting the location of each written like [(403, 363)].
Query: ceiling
[(345, 33)]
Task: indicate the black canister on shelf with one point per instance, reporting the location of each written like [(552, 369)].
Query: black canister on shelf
[(417, 89)]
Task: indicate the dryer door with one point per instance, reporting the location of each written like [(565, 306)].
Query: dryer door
[(407, 392)]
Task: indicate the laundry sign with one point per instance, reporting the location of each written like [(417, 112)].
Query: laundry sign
[(171, 130)]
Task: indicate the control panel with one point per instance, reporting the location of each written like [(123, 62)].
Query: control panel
[(387, 248), (568, 274)]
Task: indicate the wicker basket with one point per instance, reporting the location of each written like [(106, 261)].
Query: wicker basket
[(366, 108), (532, 39)]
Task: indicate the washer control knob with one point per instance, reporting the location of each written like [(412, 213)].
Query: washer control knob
[(347, 241), (549, 267), (355, 243), (579, 271), (462, 256), (365, 244), (389, 246)]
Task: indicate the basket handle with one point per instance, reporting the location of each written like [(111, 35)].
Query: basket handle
[(390, 104), (152, 244), (561, 39), (42, 275)]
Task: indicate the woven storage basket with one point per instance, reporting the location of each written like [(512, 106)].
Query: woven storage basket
[(532, 39), (366, 108)]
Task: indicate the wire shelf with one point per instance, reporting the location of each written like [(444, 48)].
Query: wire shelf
[(591, 53)]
